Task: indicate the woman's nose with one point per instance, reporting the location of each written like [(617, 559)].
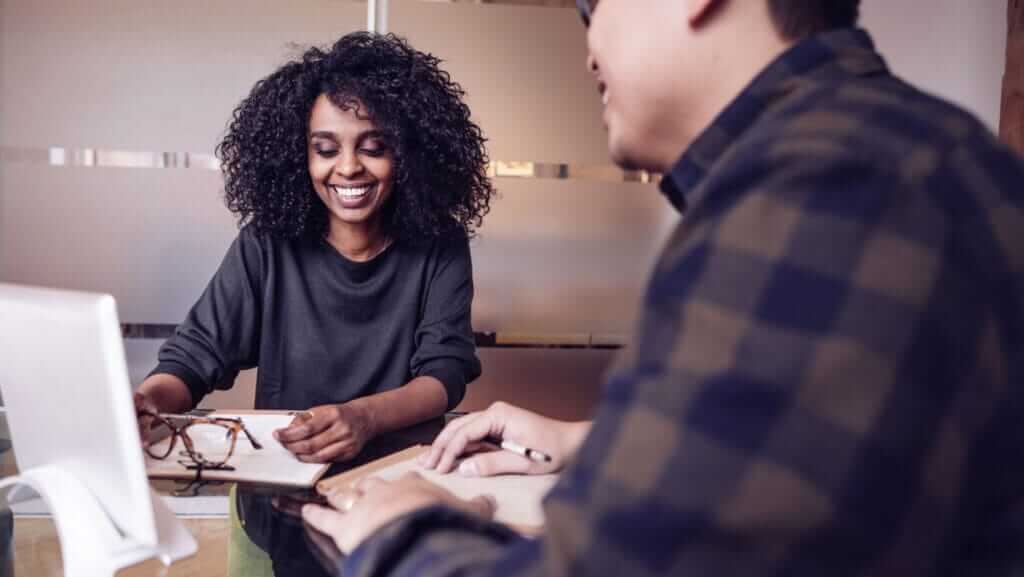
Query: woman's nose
[(348, 165)]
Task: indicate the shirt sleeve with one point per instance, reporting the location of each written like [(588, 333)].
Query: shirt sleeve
[(445, 348), (796, 401), (220, 334)]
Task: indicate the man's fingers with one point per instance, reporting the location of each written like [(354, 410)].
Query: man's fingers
[(483, 505), (343, 500), (474, 431), (494, 463), (367, 484), (325, 520), (287, 505), (431, 458)]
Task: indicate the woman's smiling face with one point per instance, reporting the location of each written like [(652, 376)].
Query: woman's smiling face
[(350, 165)]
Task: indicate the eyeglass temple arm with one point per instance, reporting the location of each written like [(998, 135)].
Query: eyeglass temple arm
[(255, 444)]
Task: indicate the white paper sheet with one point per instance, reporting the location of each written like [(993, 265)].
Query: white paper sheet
[(518, 496), (273, 464)]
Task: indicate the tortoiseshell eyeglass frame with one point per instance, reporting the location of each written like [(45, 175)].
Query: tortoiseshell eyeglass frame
[(231, 425)]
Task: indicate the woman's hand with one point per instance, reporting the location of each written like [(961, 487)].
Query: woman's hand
[(144, 405), (159, 393), (501, 421), (356, 513), (327, 433)]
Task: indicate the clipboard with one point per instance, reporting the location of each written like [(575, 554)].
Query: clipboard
[(271, 465)]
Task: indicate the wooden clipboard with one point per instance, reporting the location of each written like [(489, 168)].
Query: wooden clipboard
[(272, 465)]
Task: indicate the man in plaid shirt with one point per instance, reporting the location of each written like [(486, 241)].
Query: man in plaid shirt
[(827, 373)]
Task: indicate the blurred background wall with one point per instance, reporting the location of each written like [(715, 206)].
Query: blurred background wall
[(110, 111)]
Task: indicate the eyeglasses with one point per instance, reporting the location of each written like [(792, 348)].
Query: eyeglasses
[(209, 441), (586, 10)]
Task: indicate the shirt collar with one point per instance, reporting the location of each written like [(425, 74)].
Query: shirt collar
[(849, 51)]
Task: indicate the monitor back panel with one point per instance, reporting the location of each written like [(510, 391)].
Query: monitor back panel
[(68, 399)]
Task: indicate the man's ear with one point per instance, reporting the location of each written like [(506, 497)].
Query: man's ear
[(698, 10)]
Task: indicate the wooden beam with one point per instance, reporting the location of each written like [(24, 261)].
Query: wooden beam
[(1011, 124)]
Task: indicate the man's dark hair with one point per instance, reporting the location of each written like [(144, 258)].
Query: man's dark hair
[(800, 18)]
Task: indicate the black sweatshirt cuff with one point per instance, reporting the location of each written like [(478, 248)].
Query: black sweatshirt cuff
[(450, 376), (196, 386)]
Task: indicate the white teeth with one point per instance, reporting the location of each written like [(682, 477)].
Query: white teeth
[(351, 192), (604, 98)]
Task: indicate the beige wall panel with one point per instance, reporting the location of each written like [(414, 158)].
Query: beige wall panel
[(553, 256), (953, 48), (523, 68), (560, 383), (565, 384), (150, 237), (567, 256), (146, 74)]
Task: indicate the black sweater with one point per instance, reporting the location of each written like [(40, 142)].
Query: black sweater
[(325, 329)]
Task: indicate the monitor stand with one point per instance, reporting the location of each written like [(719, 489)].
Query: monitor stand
[(91, 545)]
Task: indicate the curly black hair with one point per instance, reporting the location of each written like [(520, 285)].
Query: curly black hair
[(441, 185)]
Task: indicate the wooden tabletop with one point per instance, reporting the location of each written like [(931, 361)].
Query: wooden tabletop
[(37, 551)]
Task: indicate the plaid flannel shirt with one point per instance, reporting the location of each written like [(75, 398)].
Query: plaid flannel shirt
[(827, 373)]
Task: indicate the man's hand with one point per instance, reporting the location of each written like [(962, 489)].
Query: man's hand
[(327, 433), (501, 421), (356, 513)]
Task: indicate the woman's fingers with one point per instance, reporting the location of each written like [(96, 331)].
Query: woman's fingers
[(142, 406), (305, 425), (334, 451), (330, 442)]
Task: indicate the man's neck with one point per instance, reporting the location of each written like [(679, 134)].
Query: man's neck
[(735, 55)]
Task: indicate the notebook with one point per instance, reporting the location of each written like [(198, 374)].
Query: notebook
[(518, 496)]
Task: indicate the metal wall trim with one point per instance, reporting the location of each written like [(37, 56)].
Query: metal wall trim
[(494, 340), (58, 156)]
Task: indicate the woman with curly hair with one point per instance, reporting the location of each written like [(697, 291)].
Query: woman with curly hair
[(357, 177)]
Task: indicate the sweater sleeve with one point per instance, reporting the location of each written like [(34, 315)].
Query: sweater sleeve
[(220, 336), (445, 348)]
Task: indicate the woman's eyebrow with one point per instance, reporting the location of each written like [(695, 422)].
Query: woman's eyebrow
[(372, 133), (323, 134)]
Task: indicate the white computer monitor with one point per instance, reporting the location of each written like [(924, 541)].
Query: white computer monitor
[(69, 401)]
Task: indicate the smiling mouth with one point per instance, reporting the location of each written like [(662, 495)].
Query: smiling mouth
[(351, 193)]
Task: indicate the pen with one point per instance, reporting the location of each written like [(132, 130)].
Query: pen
[(531, 454)]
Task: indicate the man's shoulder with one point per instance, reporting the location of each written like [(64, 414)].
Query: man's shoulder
[(880, 119), (879, 127)]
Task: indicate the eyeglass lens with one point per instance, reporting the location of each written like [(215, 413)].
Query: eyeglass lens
[(206, 443)]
